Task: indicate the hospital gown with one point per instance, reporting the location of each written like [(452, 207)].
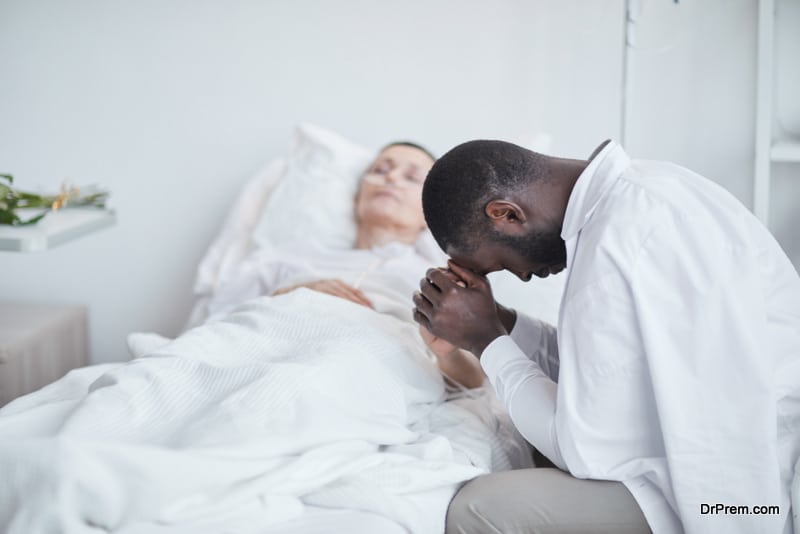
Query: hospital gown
[(675, 367), (387, 274)]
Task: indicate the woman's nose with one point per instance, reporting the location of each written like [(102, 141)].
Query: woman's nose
[(393, 177)]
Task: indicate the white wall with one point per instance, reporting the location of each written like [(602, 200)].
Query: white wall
[(173, 104), (694, 96)]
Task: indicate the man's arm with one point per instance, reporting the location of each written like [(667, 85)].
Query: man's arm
[(467, 315), (528, 394), (538, 340)]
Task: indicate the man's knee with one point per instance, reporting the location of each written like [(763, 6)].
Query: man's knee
[(543, 501), (470, 511), (495, 503)]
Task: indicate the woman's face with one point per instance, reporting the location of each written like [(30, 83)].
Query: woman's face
[(390, 194)]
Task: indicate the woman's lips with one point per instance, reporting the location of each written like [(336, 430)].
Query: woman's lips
[(385, 193)]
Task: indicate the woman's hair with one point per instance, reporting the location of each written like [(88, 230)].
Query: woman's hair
[(412, 145)]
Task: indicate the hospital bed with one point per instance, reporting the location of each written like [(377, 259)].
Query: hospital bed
[(321, 168), (466, 435)]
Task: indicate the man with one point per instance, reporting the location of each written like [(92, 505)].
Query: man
[(675, 368)]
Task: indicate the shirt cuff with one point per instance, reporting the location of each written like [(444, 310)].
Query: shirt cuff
[(498, 353)]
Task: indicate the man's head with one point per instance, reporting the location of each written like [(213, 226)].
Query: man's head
[(390, 194), (493, 205)]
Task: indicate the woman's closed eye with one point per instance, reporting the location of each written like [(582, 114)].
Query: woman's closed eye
[(414, 178)]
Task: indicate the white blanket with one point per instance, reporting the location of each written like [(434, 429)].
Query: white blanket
[(303, 398)]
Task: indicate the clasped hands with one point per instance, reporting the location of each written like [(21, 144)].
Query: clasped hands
[(456, 305)]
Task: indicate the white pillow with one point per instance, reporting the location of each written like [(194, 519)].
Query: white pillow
[(313, 203), (233, 242)]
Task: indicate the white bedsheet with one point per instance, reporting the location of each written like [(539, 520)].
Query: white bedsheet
[(293, 401)]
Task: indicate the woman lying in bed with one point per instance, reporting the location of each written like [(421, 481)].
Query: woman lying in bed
[(283, 408), (383, 268)]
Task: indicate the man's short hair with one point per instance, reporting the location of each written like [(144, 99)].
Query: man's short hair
[(463, 181)]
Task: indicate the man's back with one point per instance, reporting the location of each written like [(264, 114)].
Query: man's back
[(680, 329)]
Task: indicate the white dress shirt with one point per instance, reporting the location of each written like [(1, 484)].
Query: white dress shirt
[(678, 351)]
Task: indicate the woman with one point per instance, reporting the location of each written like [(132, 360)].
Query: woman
[(382, 269)]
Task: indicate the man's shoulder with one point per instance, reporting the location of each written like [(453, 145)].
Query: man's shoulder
[(620, 224), (653, 194)]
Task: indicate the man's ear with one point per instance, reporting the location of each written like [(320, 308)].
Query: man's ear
[(503, 214)]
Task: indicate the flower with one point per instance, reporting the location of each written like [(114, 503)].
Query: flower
[(12, 200)]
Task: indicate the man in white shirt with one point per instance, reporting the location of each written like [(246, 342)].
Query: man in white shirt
[(675, 368)]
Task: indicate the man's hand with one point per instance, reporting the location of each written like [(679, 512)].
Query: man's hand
[(337, 288), (463, 314)]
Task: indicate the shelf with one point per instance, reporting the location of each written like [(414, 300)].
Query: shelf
[(774, 64), (55, 229), (787, 151)]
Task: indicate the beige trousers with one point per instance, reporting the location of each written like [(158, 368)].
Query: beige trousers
[(543, 501)]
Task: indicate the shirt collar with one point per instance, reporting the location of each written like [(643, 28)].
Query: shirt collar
[(602, 171)]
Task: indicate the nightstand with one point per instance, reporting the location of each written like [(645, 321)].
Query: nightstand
[(39, 343)]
